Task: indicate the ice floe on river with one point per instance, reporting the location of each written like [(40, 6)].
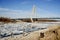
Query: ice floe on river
[(8, 29)]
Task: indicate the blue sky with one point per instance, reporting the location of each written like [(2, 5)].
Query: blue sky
[(23, 8)]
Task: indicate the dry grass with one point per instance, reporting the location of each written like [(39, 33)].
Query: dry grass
[(53, 33)]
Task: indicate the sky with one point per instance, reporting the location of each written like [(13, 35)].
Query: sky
[(23, 8)]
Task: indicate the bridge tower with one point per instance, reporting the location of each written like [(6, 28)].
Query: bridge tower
[(33, 13)]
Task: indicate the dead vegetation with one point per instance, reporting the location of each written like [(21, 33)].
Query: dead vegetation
[(6, 20)]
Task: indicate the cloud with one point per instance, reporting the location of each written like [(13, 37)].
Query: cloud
[(24, 2), (47, 0), (26, 13), (1, 9), (14, 13), (5, 9), (45, 13)]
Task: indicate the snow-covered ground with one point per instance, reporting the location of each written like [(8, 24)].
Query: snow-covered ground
[(9, 29)]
